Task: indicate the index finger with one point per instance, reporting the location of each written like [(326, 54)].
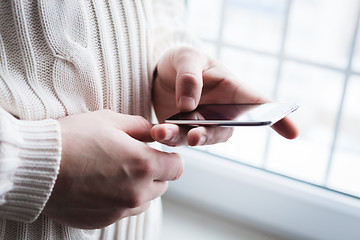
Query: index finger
[(189, 65)]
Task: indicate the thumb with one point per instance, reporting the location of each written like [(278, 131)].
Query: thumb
[(136, 127), (189, 65)]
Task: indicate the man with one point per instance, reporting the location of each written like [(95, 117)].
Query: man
[(66, 163)]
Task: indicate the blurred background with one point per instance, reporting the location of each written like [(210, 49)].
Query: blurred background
[(303, 51)]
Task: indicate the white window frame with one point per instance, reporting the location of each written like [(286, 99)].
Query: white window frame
[(269, 201), (282, 57)]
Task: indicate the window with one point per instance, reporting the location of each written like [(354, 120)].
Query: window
[(306, 52), (303, 51)]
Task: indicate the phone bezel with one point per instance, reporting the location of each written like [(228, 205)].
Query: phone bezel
[(279, 111)]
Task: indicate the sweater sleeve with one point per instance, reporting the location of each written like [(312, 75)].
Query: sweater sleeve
[(30, 154), (169, 27)]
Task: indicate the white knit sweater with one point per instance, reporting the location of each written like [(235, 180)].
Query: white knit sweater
[(59, 58)]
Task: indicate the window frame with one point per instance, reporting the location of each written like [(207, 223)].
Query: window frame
[(270, 201), (266, 200), (282, 57)]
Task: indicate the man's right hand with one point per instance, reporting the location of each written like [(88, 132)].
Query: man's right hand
[(107, 170)]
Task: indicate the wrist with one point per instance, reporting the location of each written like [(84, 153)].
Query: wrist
[(38, 151)]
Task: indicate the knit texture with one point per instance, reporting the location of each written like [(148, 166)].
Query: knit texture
[(59, 58)]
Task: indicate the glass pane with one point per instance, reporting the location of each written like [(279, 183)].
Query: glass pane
[(318, 92), (356, 57), (322, 30), (257, 71), (254, 23), (205, 21), (345, 171), (209, 49), (318, 31)]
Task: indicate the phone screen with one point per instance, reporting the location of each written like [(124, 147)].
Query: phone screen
[(234, 114)]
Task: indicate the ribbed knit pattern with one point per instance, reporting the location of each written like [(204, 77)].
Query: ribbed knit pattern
[(59, 58), (33, 167)]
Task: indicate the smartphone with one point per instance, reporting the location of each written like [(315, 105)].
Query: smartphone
[(243, 114)]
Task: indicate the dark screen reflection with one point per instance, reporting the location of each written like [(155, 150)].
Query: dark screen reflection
[(216, 112)]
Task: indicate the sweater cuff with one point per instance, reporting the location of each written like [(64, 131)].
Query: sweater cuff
[(39, 154)]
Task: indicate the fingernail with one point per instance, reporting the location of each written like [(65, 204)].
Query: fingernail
[(202, 140), (187, 103), (168, 135)]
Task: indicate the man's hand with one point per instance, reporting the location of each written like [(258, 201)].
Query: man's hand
[(186, 77), (107, 171)]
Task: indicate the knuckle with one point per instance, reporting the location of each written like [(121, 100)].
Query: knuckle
[(144, 169), (189, 78), (186, 51), (135, 199), (109, 114), (142, 122), (137, 211)]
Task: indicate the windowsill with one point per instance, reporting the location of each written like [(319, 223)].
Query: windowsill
[(267, 201), (181, 221)]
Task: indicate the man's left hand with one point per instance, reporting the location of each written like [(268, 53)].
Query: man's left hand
[(185, 78)]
